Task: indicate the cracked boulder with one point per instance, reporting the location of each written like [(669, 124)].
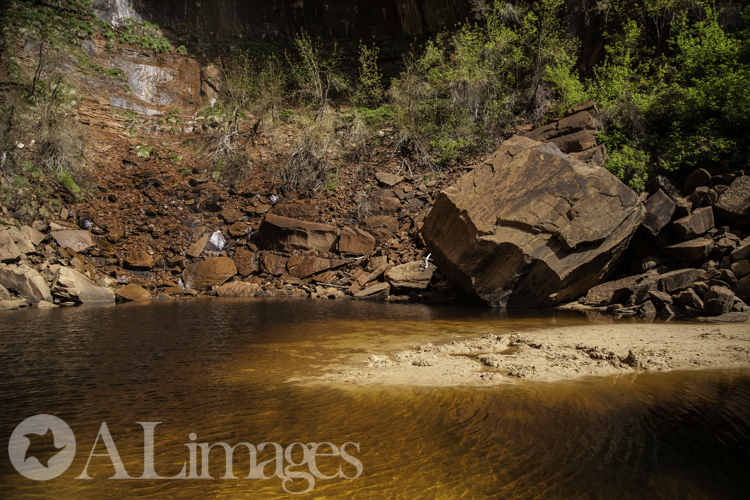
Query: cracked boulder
[(287, 235), (531, 227)]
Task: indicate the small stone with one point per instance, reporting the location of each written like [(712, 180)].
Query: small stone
[(387, 179)]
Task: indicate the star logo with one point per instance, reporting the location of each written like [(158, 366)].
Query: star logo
[(42, 447)]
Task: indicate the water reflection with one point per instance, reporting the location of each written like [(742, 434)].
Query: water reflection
[(219, 369)]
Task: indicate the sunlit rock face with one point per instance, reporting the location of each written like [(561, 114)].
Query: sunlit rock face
[(115, 11), (531, 226)]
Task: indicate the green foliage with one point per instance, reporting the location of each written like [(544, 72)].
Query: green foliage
[(466, 90), (333, 181), (316, 75), (376, 117), (145, 35), (63, 176), (40, 105), (144, 151), (369, 90), (182, 50), (687, 108), (630, 164), (60, 23)]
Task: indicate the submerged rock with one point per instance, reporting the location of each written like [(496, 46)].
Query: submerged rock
[(531, 227)]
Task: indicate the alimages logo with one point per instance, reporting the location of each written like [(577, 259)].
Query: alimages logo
[(42, 447)]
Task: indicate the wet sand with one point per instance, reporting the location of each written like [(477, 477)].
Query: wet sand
[(551, 354)]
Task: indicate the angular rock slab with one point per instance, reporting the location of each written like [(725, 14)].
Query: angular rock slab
[(659, 210), (411, 275), (9, 252), (307, 265), (355, 241), (695, 224), (209, 272), (139, 259), (245, 261), (287, 235), (70, 285), (77, 239), (375, 292), (611, 292), (27, 282), (690, 251), (531, 227)]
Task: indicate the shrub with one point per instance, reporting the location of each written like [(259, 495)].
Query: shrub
[(307, 164), (465, 91), (369, 90), (314, 74), (672, 112)]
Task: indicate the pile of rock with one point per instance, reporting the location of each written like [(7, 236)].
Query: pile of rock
[(22, 285), (575, 134), (140, 245), (690, 256)]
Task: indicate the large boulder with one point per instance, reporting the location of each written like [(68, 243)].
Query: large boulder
[(209, 272), (733, 206), (287, 235), (26, 282), (71, 286), (132, 293), (411, 275), (531, 227), (695, 224)]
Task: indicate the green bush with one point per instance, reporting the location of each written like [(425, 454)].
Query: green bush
[(369, 91), (315, 75), (672, 112), (467, 90)]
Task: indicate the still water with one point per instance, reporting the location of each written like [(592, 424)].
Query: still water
[(234, 371)]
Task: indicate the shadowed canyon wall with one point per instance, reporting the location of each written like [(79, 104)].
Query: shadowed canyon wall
[(280, 19)]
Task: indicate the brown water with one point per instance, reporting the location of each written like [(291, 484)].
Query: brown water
[(221, 369)]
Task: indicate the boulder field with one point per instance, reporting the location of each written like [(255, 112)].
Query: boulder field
[(538, 223)]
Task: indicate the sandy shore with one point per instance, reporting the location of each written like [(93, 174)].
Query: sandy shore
[(556, 354)]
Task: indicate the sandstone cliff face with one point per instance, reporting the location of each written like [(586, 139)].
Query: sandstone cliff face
[(531, 227)]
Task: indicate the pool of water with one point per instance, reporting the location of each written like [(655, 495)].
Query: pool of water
[(225, 371)]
